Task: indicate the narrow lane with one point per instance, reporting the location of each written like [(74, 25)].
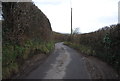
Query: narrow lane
[(63, 63)]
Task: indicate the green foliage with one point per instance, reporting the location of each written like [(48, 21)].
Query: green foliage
[(26, 31), (43, 47), (9, 70), (50, 46), (10, 53), (84, 49), (14, 55), (104, 44)]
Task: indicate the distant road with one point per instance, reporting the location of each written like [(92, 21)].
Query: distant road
[(64, 63)]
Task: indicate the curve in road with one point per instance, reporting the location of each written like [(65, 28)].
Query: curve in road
[(63, 63)]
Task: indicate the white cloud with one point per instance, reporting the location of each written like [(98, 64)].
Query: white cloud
[(89, 15)]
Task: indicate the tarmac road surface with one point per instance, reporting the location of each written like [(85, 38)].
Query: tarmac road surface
[(63, 63)]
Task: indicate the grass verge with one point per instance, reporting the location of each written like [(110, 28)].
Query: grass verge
[(13, 56)]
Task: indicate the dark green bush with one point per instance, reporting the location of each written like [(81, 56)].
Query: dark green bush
[(104, 44)]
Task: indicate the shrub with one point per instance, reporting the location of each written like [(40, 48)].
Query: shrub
[(103, 43)]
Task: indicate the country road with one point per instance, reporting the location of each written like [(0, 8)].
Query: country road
[(66, 63)]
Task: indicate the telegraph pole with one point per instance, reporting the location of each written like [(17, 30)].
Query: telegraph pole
[(71, 15), (71, 20)]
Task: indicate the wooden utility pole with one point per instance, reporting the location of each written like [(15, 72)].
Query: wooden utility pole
[(71, 15), (71, 20)]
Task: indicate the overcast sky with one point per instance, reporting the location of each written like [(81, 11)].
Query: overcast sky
[(88, 15)]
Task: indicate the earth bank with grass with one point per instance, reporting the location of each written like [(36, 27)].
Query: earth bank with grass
[(26, 31)]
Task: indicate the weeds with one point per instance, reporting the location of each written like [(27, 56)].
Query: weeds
[(103, 43), (15, 55)]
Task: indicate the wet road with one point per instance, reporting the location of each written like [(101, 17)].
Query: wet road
[(63, 63)]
